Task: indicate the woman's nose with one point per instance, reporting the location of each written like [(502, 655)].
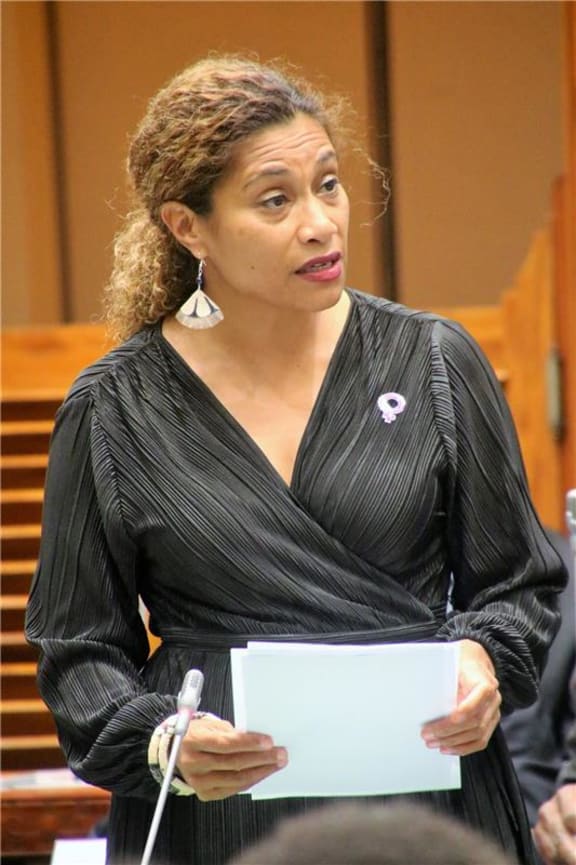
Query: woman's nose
[(316, 223)]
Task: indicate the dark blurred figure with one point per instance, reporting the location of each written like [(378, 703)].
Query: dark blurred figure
[(555, 831), (360, 834), (542, 737)]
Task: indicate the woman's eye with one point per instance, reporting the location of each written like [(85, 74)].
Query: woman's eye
[(274, 202), (331, 184)]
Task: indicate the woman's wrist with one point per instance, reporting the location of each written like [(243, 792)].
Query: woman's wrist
[(159, 749), (474, 650)]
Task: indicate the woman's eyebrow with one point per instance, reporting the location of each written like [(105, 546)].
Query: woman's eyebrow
[(279, 170)]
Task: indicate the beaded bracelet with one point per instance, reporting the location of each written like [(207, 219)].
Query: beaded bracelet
[(159, 749)]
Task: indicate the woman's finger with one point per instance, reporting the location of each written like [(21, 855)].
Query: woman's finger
[(216, 738), (470, 739), (220, 785), (484, 694), (483, 700), (204, 762), (462, 723), (214, 747)]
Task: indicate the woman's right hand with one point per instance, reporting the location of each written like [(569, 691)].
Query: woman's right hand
[(218, 760)]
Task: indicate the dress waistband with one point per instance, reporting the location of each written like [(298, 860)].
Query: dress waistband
[(213, 642)]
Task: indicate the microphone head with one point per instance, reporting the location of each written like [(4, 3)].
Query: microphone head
[(189, 696), (193, 679), (571, 511)]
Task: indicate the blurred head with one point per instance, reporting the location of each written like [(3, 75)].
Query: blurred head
[(182, 150), (360, 834)]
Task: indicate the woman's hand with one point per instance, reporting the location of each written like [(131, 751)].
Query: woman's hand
[(555, 831), (469, 727), (218, 761)]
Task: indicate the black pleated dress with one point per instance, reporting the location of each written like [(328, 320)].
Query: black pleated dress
[(154, 490)]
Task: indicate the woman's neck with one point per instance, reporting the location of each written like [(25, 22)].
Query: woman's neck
[(265, 330), (252, 334)]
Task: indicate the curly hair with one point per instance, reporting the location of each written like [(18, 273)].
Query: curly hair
[(180, 150)]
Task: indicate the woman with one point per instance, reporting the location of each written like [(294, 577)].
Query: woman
[(316, 463)]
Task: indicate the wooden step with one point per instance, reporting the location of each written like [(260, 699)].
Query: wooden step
[(16, 575), (29, 752), (25, 437), (12, 611), (18, 681), (21, 506), (26, 718), (31, 405), (14, 648), (20, 541), (23, 471)]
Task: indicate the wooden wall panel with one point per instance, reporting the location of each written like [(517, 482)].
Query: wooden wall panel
[(30, 238), (477, 142), (566, 252), (114, 56)]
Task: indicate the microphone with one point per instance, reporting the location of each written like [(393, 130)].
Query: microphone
[(571, 514), (188, 702)]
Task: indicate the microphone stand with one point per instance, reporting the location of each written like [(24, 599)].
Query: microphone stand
[(164, 790), (188, 702)]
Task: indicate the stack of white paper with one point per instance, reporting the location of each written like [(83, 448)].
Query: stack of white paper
[(349, 716), (79, 851)]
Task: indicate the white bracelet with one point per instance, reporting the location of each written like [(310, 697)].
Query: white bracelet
[(159, 752)]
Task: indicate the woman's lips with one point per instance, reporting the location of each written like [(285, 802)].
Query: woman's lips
[(324, 268)]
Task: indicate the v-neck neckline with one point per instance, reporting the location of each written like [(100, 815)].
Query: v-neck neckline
[(191, 375)]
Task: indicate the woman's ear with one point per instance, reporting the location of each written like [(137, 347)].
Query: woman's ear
[(183, 224)]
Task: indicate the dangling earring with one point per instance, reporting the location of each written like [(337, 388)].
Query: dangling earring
[(199, 312)]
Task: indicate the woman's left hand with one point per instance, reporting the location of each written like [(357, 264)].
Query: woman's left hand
[(469, 727)]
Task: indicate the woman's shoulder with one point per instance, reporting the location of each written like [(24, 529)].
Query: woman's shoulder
[(440, 335), (390, 310), (120, 359)]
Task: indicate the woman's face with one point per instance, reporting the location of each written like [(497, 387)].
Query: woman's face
[(278, 228)]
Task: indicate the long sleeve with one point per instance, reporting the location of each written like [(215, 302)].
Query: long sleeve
[(567, 774), (83, 614), (506, 573)]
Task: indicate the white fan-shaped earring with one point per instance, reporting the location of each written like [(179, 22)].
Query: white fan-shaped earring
[(199, 311)]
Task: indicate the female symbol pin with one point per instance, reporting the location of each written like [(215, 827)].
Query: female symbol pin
[(391, 404)]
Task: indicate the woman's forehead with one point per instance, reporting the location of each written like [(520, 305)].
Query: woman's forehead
[(302, 139)]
